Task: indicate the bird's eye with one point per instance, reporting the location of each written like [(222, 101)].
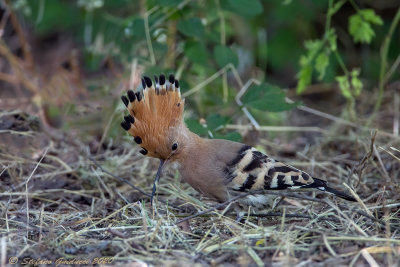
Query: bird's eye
[(174, 146)]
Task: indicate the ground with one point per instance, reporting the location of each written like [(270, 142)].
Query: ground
[(62, 198)]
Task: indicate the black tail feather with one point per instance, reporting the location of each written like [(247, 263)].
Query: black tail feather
[(321, 185), (339, 194)]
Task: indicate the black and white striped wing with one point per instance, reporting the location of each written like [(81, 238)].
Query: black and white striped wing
[(253, 170)]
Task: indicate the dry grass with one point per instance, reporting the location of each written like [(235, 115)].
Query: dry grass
[(57, 203)]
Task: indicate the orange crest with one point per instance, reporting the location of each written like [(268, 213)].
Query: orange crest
[(153, 113)]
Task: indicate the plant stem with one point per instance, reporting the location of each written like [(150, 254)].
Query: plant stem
[(341, 63), (328, 17), (354, 5), (384, 55)]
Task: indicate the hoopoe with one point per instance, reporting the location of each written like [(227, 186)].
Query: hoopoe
[(219, 169)]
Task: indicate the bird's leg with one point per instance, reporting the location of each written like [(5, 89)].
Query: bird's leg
[(275, 204), (240, 213), (158, 175), (239, 216)]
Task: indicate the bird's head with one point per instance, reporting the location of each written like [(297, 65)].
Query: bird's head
[(155, 118)]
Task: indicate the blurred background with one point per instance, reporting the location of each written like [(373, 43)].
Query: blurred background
[(64, 61)]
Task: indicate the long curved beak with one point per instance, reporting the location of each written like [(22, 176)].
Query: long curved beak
[(156, 179)]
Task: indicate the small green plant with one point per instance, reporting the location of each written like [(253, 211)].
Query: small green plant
[(350, 88), (318, 53)]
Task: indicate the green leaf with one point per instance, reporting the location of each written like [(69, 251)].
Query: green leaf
[(344, 86), (191, 27), (233, 136), (56, 13), (356, 83), (360, 29), (321, 62), (224, 55), (313, 47), (306, 62), (304, 78), (196, 52), (243, 7), (360, 25), (215, 121), (169, 3), (370, 16), (135, 28), (267, 97), (196, 127)]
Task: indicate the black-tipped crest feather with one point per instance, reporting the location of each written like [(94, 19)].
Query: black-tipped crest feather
[(131, 95), (171, 79), (162, 79), (148, 81), (125, 125), (129, 119), (143, 84), (125, 100)]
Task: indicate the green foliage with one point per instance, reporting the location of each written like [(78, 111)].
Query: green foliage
[(344, 86), (196, 52), (360, 25), (321, 63), (316, 58), (224, 55), (196, 127), (267, 97), (262, 39), (169, 3), (350, 86), (335, 8), (318, 53), (135, 27), (356, 82), (191, 27), (90, 4), (214, 128), (304, 77), (243, 7), (60, 16), (233, 136), (216, 122)]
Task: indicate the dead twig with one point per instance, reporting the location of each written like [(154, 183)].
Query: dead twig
[(359, 168), (26, 50)]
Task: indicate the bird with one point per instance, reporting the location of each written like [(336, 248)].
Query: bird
[(217, 168)]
